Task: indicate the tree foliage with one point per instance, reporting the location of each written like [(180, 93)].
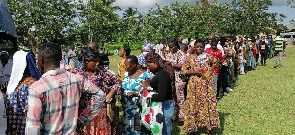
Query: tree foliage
[(77, 22)]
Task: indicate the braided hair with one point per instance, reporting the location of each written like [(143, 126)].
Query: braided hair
[(153, 57), (88, 54)]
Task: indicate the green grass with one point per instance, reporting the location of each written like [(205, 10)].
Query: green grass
[(262, 103)]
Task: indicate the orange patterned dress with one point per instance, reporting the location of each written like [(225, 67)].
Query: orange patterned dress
[(201, 104)]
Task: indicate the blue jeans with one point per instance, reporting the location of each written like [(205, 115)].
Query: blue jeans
[(270, 52), (250, 61), (169, 113)]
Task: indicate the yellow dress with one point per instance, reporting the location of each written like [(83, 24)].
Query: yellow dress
[(201, 103), (121, 68)]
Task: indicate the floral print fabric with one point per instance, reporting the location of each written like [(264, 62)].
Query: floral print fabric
[(106, 81), (17, 106), (201, 104)]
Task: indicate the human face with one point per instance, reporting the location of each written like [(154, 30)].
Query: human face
[(172, 48), (152, 66), (92, 65), (199, 48), (214, 45), (122, 52), (130, 66)]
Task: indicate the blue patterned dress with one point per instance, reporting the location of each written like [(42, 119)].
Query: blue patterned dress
[(17, 106), (129, 105)]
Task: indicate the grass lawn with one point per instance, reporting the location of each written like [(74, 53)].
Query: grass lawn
[(262, 103)]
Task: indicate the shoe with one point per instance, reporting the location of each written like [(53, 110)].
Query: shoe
[(225, 94), (228, 89)]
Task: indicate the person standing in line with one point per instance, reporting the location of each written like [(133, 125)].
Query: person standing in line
[(5, 70), (24, 73), (263, 47), (53, 100), (124, 52), (163, 84), (270, 44), (201, 103), (216, 53), (278, 49), (175, 58), (72, 58)]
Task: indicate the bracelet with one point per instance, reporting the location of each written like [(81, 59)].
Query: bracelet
[(172, 64)]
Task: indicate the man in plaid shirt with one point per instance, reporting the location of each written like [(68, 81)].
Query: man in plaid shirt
[(53, 100)]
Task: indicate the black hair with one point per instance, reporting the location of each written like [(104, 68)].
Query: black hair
[(175, 42), (87, 54), (104, 59), (222, 39), (185, 47), (127, 50), (214, 40), (133, 59), (200, 41), (50, 52)]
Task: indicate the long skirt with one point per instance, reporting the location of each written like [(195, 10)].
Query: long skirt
[(200, 105), (99, 125)]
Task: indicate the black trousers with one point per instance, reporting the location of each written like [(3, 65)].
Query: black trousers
[(263, 58)]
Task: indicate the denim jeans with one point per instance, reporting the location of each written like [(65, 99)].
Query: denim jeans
[(250, 61), (270, 52), (169, 113), (278, 56)]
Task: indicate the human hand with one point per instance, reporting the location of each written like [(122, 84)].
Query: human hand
[(146, 83)]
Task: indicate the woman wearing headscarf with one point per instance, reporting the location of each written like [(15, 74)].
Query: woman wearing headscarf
[(146, 48), (106, 81), (24, 73)]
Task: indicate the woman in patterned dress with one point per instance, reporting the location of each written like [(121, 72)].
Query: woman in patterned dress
[(201, 104), (133, 81), (24, 74), (106, 81), (176, 58)]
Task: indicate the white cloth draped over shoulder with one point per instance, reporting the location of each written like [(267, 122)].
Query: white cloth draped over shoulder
[(18, 68)]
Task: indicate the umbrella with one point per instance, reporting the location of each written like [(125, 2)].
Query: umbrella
[(7, 28)]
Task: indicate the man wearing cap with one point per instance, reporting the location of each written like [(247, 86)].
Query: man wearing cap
[(5, 70)]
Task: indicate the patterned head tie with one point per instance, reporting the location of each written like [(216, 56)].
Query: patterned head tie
[(147, 47)]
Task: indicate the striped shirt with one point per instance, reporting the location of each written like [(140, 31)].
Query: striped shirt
[(53, 103)]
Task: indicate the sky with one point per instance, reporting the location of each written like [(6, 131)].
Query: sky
[(279, 6)]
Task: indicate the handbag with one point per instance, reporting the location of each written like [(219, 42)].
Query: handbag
[(184, 78), (110, 113)]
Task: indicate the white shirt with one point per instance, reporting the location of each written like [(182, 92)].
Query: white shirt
[(218, 47)]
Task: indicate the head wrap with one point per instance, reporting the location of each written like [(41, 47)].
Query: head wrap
[(141, 59), (31, 65), (21, 61), (147, 47)]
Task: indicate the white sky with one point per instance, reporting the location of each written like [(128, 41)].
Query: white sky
[(279, 6)]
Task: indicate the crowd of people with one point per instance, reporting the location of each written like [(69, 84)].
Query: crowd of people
[(59, 92)]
